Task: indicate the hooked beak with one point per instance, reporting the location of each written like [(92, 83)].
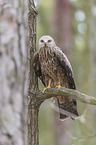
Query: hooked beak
[(45, 43)]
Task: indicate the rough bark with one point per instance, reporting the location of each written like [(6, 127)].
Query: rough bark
[(33, 109), (12, 72)]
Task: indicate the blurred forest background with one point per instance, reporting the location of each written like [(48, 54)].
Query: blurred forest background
[(72, 23)]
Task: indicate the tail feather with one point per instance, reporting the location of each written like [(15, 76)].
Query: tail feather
[(67, 109)]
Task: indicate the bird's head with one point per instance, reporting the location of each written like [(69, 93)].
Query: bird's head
[(46, 41)]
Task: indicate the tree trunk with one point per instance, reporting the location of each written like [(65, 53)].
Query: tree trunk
[(62, 22), (92, 22), (33, 108), (12, 72), (63, 25)]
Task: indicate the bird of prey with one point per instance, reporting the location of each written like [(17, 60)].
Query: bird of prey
[(54, 69)]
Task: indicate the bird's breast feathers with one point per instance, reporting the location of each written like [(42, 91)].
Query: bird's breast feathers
[(45, 54)]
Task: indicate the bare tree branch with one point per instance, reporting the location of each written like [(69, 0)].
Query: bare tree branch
[(63, 92)]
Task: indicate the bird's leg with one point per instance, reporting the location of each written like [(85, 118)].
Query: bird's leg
[(61, 99), (48, 87)]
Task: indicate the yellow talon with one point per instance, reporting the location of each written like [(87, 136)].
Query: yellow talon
[(59, 86), (47, 87), (44, 90)]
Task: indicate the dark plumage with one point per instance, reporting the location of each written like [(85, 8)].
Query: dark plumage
[(53, 68)]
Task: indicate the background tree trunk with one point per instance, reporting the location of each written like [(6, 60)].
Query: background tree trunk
[(92, 77), (12, 72), (62, 22), (92, 44)]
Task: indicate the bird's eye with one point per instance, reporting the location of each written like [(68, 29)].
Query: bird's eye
[(49, 41), (41, 41)]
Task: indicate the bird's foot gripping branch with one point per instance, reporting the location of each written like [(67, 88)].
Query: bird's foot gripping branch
[(49, 93), (74, 94)]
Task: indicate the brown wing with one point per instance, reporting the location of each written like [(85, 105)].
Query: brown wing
[(37, 67), (70, 104)]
